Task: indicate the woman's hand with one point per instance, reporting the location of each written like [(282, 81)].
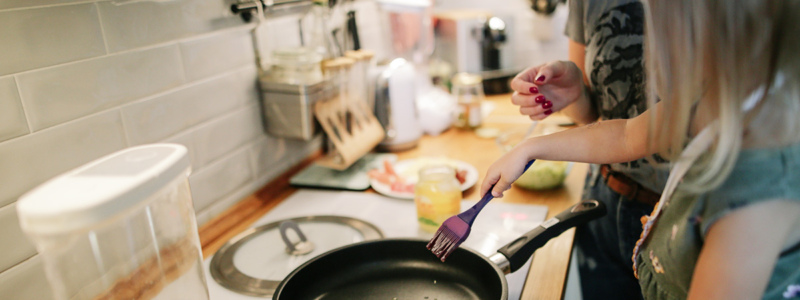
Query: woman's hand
[(541, 90), (506, 170)]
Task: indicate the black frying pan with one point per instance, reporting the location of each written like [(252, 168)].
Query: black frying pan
[(405, 269)]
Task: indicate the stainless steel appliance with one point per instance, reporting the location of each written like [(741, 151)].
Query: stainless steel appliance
[(395, 105)]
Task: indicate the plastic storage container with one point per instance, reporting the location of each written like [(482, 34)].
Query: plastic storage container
[(120, 227)]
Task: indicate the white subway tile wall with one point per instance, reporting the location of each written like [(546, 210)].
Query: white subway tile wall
[(12, 117), (40, 37), (58, 94), (82, 79)]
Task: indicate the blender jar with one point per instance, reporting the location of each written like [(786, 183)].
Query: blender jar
[(120, 227)]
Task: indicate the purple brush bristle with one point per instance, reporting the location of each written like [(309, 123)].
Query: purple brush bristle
[(450, 235)]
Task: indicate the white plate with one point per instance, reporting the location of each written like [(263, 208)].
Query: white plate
[(408, 170)]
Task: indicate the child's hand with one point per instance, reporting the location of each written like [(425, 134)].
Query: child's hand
[(544, 89), (505, 171)]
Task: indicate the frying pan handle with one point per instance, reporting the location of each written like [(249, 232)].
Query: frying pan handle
[(518, 251)]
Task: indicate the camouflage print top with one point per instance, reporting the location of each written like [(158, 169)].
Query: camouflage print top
[(612, 32)]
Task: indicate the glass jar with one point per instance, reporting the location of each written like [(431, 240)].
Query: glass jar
[(437, 196), (468, 90), (297, 65)]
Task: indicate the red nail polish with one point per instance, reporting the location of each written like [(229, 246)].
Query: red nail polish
[(547, 104), (548, 112), (534, 90), (540, 79), (539, 99)]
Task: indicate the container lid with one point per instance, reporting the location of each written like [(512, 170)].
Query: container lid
[(296, 56), (101, 189), (256, 261)]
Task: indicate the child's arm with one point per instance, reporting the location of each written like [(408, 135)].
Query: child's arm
[(740, 251), (612, 141)]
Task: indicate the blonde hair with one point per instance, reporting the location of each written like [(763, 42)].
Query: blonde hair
[(704, 59)]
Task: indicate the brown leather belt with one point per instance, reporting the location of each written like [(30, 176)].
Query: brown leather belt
[(627, 187)]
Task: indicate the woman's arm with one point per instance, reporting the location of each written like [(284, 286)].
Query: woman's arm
[(612, 141), (581, 111), (741, 249)]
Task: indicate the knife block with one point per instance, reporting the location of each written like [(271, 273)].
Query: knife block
[(351, 127)]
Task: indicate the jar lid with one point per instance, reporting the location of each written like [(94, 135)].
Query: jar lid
[(255, 261), (360, 54), (338, 63), (101, 189), (295, 56)]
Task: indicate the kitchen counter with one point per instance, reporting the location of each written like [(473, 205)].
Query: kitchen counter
[(547, 276)]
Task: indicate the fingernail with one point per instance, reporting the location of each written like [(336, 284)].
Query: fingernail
[(540, 79), (534, 90), (548, 112), (540, 99), (547, 104)]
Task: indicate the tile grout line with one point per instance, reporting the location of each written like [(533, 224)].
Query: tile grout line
[(48, 5), (159, 94), (124, 128), (181, 64), (165, 44), (102, 27), (22, 103)]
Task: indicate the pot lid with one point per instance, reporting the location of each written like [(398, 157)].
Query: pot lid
[(257, 260)]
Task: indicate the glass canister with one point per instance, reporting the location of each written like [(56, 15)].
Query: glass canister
[(120, 227), (468, 90), (298, 65), (437, 196)]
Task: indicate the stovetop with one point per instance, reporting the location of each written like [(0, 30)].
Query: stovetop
[(498, 224)]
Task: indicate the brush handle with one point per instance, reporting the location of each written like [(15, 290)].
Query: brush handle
[(520, 250), (472, 213)]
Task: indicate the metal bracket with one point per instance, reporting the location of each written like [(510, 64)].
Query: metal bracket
[(248, 8)]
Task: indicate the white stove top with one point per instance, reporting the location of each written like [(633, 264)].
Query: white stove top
[(498, 224)]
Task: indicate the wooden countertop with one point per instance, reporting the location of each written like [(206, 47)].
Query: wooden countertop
[(547, 276)]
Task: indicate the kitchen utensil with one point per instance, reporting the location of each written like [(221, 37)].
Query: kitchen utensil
[(395, 105), (120, 227), (271, 260), (352, 29), (455, 230), (403, 269), (351, 127)]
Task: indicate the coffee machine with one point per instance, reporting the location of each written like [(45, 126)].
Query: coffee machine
[(475, 41)]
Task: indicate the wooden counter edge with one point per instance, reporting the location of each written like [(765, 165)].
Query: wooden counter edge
[(547, 277)]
